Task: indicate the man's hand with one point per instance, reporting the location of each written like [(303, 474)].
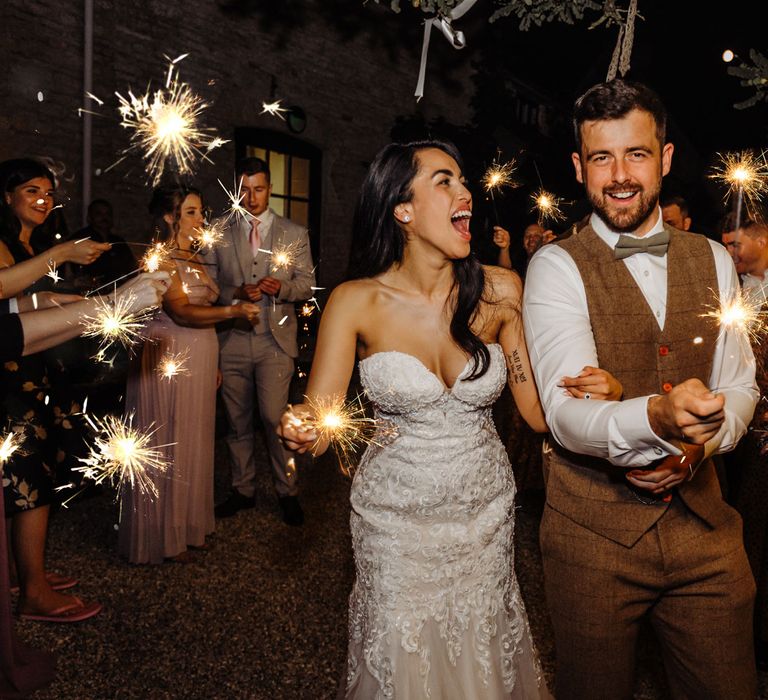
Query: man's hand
[(670, 472), (248, 292), (501, 237), (689, 412), (269, 285)]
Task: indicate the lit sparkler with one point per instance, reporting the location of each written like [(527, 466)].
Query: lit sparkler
[(548, 206), (165, 126), (345, 425), (210, 234), (10, 443), (173, 364), (115, 322), (273, 108), (235, 202), (746, 175), (743, 314), (157, 255), (121, 454), (307, 309), (284, 256), (498, 176)]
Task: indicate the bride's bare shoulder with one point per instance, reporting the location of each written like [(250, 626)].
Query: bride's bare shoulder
[(502, 285), (355, 294)]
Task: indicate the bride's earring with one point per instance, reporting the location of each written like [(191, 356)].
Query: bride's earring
[(406, 218)]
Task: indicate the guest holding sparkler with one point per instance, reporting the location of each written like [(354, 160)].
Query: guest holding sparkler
[(22, 669), (534, 236), (436, 607), (27, 189), (172, 388), (266, 260)]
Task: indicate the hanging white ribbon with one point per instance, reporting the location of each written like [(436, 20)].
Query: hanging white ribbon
[(455, 36)]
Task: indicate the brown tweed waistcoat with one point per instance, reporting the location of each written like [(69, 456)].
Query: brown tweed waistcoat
[(646, 360)]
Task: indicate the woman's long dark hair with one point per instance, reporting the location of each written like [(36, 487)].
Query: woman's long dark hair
[(13, 173), (168, 200), (378, 241)]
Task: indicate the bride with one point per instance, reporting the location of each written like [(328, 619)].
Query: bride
[(436, 610)]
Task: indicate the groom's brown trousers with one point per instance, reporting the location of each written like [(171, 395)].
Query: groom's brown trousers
[(694, 583)]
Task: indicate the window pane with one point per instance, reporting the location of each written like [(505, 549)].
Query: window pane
[(299, 177), (252, 152), (278, 204), (279, 171), (299, 213)]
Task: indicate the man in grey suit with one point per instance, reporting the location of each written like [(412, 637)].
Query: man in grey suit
[(260, 356)]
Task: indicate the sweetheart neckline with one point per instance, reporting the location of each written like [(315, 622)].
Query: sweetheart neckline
[(446, 389)]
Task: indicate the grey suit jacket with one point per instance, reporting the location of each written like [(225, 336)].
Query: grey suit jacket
[(230, 265)]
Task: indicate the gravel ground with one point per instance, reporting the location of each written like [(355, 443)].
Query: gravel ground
[(261, 614)]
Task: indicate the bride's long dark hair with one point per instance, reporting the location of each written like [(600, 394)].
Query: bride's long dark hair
[(378, 241)]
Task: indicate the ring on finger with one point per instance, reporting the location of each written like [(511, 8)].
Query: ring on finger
[(587, 396)]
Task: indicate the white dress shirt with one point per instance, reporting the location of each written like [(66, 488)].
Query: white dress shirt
[(560, 342), (755, 288)]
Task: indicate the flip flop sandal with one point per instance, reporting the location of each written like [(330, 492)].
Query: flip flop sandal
[(62, 583), (75, 611)]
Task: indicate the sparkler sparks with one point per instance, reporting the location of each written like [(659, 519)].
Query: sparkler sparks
[(235, 198), (115, 322), (173, 364), (742, 314), (548, 206), (745, 174), (122, 454), (283, 257), (53, 272), (344, 425), (165, 127), (273, 108), (211, 234), (307, 309), (498, 176), (156, 256), (10, 443)]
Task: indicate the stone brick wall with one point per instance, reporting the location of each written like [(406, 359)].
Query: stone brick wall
[(351, 86)]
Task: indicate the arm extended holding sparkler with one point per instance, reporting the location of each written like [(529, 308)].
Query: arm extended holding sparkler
[(48, 327), (334, 360), (502, 239), (15, 278)]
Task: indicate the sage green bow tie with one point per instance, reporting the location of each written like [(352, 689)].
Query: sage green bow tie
[(655, 245)]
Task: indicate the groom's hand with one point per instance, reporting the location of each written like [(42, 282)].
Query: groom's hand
[(689, 412)]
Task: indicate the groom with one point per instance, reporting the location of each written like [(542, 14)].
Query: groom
[(634, 525)]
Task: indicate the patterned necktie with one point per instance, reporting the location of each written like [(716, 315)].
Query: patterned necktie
[(655, 245), (253, 237)]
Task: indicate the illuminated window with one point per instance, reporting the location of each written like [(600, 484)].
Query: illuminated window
[(295, 171)]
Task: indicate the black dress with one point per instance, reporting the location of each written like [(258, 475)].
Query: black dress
[(22, 669)]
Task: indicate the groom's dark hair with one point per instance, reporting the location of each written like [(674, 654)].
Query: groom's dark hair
[(252, 166), (614, 100)]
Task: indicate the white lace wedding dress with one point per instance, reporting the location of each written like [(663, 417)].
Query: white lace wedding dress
[(436, 610)]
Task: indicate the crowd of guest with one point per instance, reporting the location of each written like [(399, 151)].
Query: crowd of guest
[(227, 315)]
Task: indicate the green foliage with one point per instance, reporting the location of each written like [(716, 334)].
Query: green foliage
[(754, 76)]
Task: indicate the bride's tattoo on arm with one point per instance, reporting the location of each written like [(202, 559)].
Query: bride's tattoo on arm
[(516, 372)]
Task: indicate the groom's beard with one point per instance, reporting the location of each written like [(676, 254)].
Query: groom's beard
[(625, 219)]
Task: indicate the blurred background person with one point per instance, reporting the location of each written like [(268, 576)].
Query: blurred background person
[(675, 212)]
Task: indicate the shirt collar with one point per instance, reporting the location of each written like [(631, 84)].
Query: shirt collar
[(612, 238), (265, 219)]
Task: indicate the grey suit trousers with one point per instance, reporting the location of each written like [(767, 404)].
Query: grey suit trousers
[(249, 361)]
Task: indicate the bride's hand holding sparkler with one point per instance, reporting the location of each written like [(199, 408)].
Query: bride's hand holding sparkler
[(298, 430)]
